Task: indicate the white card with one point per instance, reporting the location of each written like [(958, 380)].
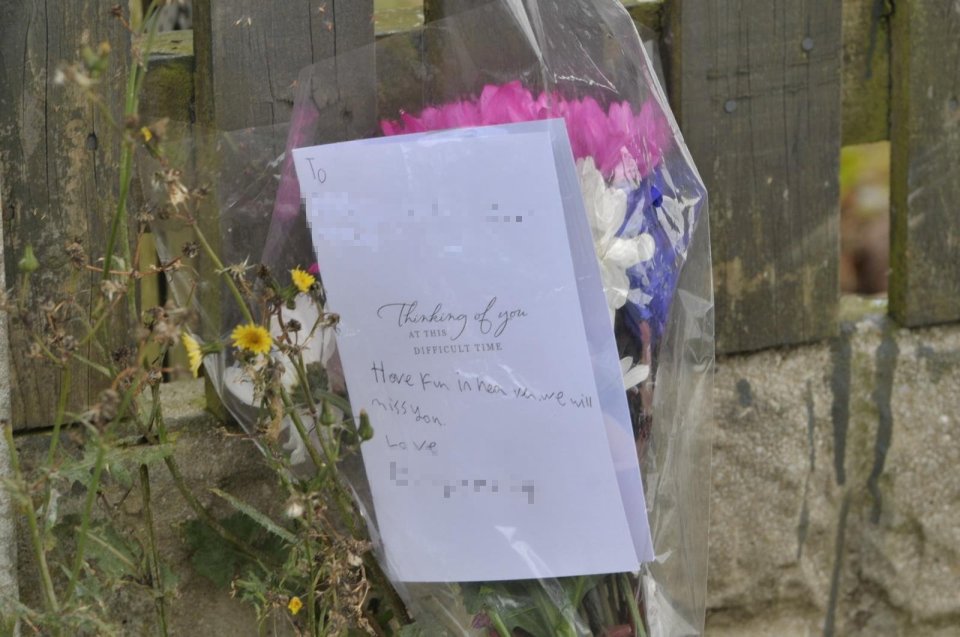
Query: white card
[(474, 331)]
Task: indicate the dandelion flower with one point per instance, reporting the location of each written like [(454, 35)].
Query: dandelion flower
[(194, 354), (303, 280), (252, 338), (295, 605)]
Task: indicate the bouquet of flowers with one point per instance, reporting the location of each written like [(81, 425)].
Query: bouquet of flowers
[(505, 63)]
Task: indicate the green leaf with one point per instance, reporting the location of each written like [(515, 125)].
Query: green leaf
[(116, 555), (212, 557), (218, 560), (527, 605), (257, 516), (120, 461)]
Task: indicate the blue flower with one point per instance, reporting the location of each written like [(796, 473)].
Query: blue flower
[(655, 208)]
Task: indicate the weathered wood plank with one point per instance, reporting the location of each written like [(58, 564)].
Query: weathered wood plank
[(925, 163), (59, 159), (866, 71), (756, 88), (249, 53)]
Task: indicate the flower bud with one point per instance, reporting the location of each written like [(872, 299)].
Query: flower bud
[(28, 263), (327, 416), (366, 429)]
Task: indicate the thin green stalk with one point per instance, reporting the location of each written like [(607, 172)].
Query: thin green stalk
[(55, 436), (99, 322), (312, 589), (24, 288), (553, 615), (118, 228), (163, 437), (631, 600), (218, 264), (331, 462), (100, 369), (92, 490), (61, 413), (498, 624), (49, 595), (157, 573)]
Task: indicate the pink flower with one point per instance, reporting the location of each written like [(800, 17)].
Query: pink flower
[(506, 104), (623, 144)]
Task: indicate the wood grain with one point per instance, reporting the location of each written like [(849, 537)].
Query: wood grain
[(925, 163), (59, 159), (756, 87), (866, 71), (249, 53)]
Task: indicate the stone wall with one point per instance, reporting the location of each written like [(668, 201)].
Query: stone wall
[(835, 502), (836, 495)]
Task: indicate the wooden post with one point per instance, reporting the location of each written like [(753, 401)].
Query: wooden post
[(756, 85), (925, 163), (59, 159)]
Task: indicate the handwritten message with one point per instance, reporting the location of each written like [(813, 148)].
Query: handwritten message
[(479, 344)]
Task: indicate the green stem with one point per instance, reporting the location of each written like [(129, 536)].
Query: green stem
[(24, 288), (627, 590), (92, 490), (609, 618), (342, 498), (498, 624), (312, 589), (157, 573), (49, 595), (55, 436), (61, 412), (218, 264), (163, 438), (118, 228)]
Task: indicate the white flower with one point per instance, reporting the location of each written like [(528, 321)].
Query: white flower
[(295, 509), (633, 375), (606, 211)]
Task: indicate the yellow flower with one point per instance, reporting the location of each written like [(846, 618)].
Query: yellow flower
[(295, 605), (146, 133), (252, 338), (193, 353), (303, 280)]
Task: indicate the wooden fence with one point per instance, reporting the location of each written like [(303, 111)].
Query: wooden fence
[(766, 93)]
